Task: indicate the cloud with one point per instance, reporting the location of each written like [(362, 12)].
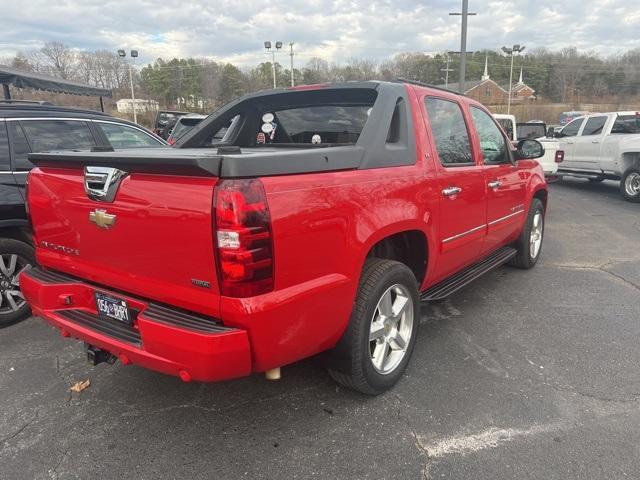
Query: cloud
[(377, 29)]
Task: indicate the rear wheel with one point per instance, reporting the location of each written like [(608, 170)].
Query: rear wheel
[(630, 185), (383, 328), (529, 244), (15, 257)]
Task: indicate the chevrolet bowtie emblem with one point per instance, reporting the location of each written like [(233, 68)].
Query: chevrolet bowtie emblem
[(101, 218)]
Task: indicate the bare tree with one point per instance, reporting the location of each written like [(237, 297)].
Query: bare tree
[(60, 58)]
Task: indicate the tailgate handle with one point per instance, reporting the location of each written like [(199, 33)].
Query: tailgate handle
[(101, 183)]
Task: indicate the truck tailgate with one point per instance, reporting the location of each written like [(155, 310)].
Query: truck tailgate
[(154, 240)]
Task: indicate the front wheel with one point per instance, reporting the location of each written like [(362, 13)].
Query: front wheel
[(630, 185), (15, 257), (383, 328), (529, 243)]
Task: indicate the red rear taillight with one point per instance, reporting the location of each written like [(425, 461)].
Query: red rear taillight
[(242, 232), (559, 156)]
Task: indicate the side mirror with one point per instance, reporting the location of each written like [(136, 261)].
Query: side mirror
[(528, 149), (550, 132)]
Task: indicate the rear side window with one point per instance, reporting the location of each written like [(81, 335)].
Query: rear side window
[(123, 136), (594, 126), (571, 130), (4, 147), (626, 124), (449, 132), (48, 135)]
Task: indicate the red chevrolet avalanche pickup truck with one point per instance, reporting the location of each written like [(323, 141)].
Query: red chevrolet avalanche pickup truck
[(287, 224)]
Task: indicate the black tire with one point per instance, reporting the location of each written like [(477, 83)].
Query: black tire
[(628, 192), (25, 256), (353, 365), (524, 258)]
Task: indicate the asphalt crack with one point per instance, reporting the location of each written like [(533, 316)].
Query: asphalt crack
[(600, 268), (19, 430)]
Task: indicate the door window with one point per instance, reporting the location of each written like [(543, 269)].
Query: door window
[(493, 144), (4, 148), (51, 135), (594, 126), (449, 132), (571, 130), (123, 136)]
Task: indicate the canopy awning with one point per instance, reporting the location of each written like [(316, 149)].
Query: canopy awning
[(21, 79)]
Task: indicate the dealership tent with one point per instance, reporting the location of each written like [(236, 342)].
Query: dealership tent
[(20, 79)]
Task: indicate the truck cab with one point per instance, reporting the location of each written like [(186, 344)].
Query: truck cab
[(604, 146)]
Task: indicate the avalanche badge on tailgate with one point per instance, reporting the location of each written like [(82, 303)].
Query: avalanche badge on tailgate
[(102, 219)]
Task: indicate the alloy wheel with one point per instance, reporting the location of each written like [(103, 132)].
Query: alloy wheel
[(11, 298), (632, 184), (535, 240), (391, 328)]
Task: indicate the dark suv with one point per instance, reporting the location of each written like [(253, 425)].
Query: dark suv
[(27, 127)]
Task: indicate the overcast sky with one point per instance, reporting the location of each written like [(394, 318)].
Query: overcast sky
[(338, 30)]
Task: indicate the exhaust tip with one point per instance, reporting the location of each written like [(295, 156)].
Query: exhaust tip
[(273, 374)]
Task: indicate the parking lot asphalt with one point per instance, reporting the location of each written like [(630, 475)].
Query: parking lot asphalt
[(522, 374)]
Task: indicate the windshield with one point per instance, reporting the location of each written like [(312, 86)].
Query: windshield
[(183, 126), (314, 124), (531, 130)]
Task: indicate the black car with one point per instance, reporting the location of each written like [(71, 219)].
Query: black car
[(27, 127), (165, 121)]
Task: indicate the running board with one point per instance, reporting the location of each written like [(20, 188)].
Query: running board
[(468, 275)]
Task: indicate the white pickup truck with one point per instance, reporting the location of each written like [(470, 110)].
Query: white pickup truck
[(553, 155), (604, 146)]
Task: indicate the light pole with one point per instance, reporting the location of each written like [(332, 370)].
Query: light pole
[(293, 84), (134, 54), (511, 51), (278, 46)]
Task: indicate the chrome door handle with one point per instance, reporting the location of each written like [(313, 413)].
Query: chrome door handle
[(450, 191), (495, 184), (595, 141)]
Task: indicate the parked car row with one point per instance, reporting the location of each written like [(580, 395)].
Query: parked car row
[(28, 127), (287, 224)]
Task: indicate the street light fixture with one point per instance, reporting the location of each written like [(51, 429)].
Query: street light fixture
[(511, 51), (278, 46), (134, 54)]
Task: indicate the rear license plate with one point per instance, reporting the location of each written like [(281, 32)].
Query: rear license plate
[(112, 307)]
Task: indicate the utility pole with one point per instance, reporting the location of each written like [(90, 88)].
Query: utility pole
[(291, 55), (463, 43), (447, 70)]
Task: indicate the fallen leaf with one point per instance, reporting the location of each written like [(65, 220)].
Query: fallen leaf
[(80, 386)]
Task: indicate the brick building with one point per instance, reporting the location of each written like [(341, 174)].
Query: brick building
[(490, 92)]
